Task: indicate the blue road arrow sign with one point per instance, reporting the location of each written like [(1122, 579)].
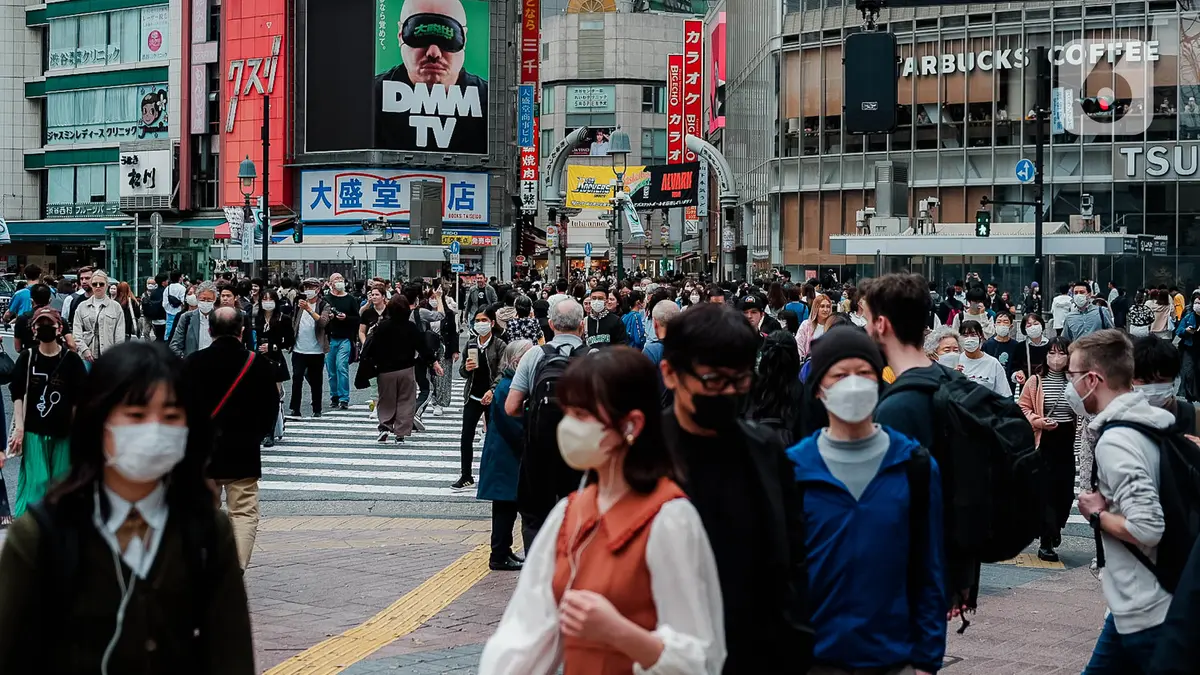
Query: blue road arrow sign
[(587, 249), (1025, 171), (455, 247), (458, 268)]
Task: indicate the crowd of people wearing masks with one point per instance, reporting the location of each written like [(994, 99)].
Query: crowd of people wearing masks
[(704, 473)]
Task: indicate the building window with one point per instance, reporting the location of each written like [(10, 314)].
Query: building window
[(654, 99), (83, 190), (108, 115), (545, 51), (547, 100), (107, 38), (654, 146), (547, 142)]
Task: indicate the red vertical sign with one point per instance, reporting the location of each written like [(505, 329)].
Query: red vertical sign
[(531, 29), (693, 78), (675, 109)]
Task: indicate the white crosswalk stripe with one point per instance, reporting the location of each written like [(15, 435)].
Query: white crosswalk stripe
[(338, 453)]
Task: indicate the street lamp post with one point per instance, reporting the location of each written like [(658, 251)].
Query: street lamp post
[(247, 174), (618, 150)]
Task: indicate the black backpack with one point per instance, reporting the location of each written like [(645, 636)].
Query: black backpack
[(58, 563), (152, 307), (1179, 495), (992, 475), (542, 411)]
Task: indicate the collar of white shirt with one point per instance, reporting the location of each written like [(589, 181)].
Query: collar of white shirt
[(153, 508)]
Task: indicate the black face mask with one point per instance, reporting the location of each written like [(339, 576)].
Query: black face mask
[(46, 333), (715, 412)]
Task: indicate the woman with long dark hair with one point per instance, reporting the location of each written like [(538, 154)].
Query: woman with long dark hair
[(1049, 412), (776, 299), (394, 347), (622, 572), (275, 336), (138, 553), (777, 394)]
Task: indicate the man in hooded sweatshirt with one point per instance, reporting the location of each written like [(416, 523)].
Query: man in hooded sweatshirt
[(868, 488), (1123, 505), (604, 329)]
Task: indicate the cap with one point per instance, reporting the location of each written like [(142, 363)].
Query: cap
[(750, 302), (46, 313), (839, 344)]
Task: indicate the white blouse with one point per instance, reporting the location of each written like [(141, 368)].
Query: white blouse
[(683, 579)]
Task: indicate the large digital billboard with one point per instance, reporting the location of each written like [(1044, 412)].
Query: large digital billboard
[(714, 106)]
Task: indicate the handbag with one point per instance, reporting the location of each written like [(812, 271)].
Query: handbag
[(8, 367)]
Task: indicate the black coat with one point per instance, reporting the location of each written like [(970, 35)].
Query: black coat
[(1120, 309), (247, 417), (278, 339)]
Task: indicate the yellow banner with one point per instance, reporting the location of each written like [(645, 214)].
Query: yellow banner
[(588, 186)]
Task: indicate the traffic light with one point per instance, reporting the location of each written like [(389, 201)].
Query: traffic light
[(298, 233), (1096, 105), (983, 223)]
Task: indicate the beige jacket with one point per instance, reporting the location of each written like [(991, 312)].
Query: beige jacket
[(98, 327)]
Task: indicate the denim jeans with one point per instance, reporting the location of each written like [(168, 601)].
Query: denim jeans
[(337, 367), (1117, 654)]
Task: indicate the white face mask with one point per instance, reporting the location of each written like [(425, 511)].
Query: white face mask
[(483, 327), (147, 452), (950, 359), (970, 344), (1003, 331), (192, 300), (695, 299), (339, 286), (579, 443), (1159, 393), (852, 399), (151, 287), (1080, 300), (268, 305), (310, 294), (1034, 331), (1057, 362), (1075, 399), (205, 307), (597, 306), (1196, 308)]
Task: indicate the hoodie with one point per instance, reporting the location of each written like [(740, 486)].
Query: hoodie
[(1127, 470), (862, 611)]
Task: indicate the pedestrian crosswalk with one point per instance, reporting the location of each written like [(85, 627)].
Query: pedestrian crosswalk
[(339, 454)]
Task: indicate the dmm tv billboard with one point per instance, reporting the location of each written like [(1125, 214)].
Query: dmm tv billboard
[(418, 84)]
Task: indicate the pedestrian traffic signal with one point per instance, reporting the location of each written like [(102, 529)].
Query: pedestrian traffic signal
[(298, 233), (983, 223), (1096, 105)]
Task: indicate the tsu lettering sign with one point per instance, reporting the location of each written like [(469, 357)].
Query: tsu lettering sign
[(693, 75), (354, 195), (675, 109), (431, 75)]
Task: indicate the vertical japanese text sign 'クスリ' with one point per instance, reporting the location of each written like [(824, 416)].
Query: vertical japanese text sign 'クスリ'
[(247, 75), (675, 112), (693, 78), (432, 63)]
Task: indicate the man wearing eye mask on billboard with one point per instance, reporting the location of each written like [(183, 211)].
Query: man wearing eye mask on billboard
[(429, 102)]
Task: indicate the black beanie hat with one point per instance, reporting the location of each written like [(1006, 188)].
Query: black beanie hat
[(838, 344)]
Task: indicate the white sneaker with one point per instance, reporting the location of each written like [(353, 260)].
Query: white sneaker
[(437, 411), (418, 424)]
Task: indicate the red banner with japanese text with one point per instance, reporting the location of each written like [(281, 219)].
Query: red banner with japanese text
[(693, 78), (675, 111)]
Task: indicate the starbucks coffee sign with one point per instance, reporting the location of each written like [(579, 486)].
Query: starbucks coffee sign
[(1160, 161), (1078, 53)]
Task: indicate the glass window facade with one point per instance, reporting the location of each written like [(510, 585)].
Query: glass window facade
[(108, 38), (110, 115), (73, 191), (966, 86)]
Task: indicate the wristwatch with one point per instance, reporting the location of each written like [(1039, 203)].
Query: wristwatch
[(1094, 520)]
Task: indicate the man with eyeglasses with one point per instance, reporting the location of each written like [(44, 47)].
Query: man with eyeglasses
[(98, 322), (738, 478), (432, 42)]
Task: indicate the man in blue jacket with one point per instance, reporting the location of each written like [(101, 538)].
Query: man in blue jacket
[(872, 498)]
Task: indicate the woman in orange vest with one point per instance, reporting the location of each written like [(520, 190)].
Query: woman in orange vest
[(621, 574)]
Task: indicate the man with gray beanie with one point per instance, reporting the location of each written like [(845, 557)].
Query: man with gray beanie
[(868, 490)]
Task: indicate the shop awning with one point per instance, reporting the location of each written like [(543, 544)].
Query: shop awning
[(64, 231), (224, 231)]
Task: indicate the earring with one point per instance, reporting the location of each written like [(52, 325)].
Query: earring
[(628, 439)]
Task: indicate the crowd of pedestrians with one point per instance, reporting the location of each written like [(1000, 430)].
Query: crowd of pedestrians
[(704, 474)]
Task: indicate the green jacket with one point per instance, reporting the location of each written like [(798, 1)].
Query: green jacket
[(156, 637)]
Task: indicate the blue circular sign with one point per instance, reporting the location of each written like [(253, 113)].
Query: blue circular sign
[(1026, 172), (587, 249)]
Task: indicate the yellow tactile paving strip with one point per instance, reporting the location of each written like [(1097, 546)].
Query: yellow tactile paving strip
[(402, 617), (1031, 560)]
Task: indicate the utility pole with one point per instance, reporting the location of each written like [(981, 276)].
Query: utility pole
[(1041, 89), (266, 186)]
